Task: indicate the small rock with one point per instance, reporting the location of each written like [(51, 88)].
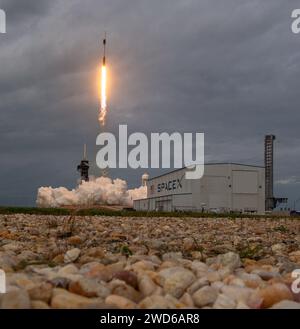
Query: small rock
[(199, 283), (58, 259), (176, 280), (236, 293), (274, 294), (146, 286), (231, 260), (172, 256), (251, 280), (285, 265), (265, 275), (41, 292), (60, 282), (119, 302), (120, 288), (72, 255), (27, 256), (197, 255), (39, 305), (89, 288), (17, 299), (129, 277), (96, 252), (156, 302), (295, 256), (187, 300), (278, 248), (213, 276), (286, 304), (143, 266), (14, 246), (224, 302), (75, 240), (188, 244), (205, 296), (63, 299), (97, 270), (8, 261)]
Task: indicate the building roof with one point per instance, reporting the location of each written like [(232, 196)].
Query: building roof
[(208, 164)]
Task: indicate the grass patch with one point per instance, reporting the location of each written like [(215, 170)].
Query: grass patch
[(281, 229), (251, 252), (24, 263), (34, 211), (127, 213), (125, 250)]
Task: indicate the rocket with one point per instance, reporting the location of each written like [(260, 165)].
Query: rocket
[(104, 50), (103, 99)]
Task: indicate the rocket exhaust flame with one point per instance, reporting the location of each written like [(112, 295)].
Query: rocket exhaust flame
[(103, 109)]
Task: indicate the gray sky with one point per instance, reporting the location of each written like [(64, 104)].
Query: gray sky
[(228, 68)]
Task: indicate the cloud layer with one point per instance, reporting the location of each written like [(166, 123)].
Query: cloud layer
[(229, 69)]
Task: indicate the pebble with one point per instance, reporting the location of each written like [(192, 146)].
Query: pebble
[(41, 292), (274, 294), (39, 305), (286, 304), (120, 288), (230, 260), (72, 255), (119, 302), (295, 257), (172, 256), (156, 302), (75, 240), (129, 277), (188, 244), (89, 288), (172, 263), (176, 280), (205, 296), (278, 248), (146, 285), (63, 299), (224, 302), (199, 283), (17, 299)]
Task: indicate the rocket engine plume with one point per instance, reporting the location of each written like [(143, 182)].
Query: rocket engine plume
[(103, 109)]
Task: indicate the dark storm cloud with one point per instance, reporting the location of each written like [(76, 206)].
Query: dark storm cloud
[(229, 69), (19, 10)]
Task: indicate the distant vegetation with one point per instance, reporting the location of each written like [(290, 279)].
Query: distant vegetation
[(122, 213)]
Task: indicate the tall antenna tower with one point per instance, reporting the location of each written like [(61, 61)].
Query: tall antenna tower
[(269, 175)]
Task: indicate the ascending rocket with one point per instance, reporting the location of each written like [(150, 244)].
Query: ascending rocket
[(104, 49), (103, 100)]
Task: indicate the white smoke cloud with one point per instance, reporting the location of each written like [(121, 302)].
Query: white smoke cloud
[(98, 191)]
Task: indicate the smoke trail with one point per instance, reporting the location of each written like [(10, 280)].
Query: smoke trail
[(99, 191)]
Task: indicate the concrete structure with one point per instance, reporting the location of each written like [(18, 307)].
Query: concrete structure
[(224, 187)]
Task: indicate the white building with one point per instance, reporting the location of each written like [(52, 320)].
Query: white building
[(224, 187)]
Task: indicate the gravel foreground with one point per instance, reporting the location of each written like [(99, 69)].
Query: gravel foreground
[(123, 262)]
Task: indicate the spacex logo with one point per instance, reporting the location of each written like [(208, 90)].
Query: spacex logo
[(296, 23), (2, 282), (2, 21)]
